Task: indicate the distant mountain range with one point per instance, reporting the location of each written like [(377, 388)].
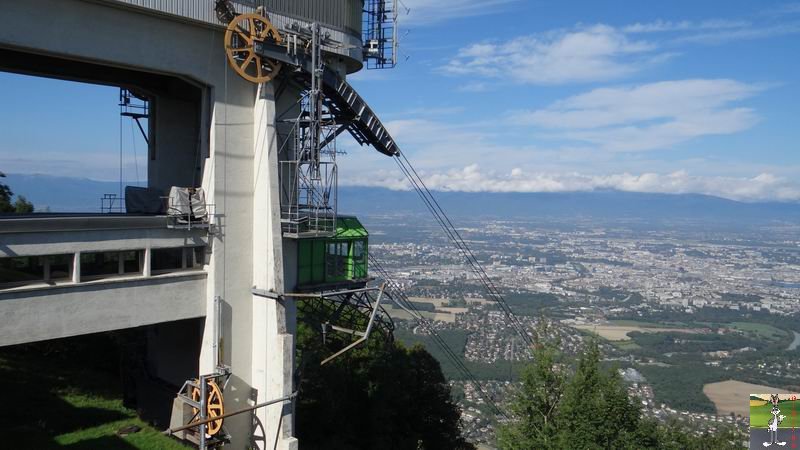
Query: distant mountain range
[(565, 205), (83, 195), (61, 194)]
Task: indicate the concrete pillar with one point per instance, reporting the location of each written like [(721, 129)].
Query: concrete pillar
[(76, 267), (147, 264), (273, 342)]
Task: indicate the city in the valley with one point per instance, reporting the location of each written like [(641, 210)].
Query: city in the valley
[(694, 316)]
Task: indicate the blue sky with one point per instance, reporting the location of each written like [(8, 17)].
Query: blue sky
[(68, 129), (522, 95)]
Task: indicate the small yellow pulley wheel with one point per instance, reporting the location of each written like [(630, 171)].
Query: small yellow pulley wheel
[(240, 38), (214, 406)]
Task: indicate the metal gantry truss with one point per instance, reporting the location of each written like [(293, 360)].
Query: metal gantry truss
[(309, 172)]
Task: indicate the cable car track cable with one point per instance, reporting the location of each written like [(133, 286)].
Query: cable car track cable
[(457, 361), (447, 226)]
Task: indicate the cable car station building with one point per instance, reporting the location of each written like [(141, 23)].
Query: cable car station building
[(212, 284)]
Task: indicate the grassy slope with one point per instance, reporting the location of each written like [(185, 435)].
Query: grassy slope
[(51, 405), (761, 330)]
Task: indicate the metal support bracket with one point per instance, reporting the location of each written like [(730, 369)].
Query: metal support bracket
[(365, 336)]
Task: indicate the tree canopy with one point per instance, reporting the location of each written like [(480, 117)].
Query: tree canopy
[(585, 406), (21, 205), (383, 395)]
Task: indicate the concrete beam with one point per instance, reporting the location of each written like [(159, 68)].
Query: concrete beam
[(95, 307), (64, 242)]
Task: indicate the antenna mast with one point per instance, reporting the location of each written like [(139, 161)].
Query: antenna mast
[(379, 31)]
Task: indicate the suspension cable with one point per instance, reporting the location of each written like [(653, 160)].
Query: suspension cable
[(455, 237), (399, 297)]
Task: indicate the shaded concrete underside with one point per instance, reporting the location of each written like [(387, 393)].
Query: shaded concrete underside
[(92, 308)]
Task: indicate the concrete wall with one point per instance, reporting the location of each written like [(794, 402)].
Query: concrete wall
[(341, 19), (63, 242), (173, 349), (175, 155), (100, 306), (101, 34)]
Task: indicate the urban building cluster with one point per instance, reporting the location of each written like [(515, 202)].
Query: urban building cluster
[(585, 278)]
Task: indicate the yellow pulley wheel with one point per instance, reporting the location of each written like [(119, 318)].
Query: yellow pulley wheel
[(240, 38), (214, 406)]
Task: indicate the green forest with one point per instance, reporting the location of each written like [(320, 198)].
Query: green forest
[(584, 406)]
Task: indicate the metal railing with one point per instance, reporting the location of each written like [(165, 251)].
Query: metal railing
[(112, 203)]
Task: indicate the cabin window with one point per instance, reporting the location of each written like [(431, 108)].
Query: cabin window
[(99, 264), (23, 270), (358, 250), (336, 259), (60, 266), (131, 261), (167, 259), (102, 264), (172, 259)]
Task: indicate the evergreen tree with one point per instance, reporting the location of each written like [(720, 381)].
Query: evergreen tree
[(536, 404), (588, 409), (21, 205), (379, 396), (596, 409)]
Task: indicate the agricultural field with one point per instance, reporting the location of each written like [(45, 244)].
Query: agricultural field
[(627, 345), (734, 396), (613, 332), (760, 330), (641, 323), (447, 316)]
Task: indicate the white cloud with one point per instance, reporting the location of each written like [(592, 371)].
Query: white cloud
[(594, 53), (471, 178), (428, 12), (716, 31), (738, 34), (650, 116), (664, 26), (101, 166), (473, 87), (783, 10)]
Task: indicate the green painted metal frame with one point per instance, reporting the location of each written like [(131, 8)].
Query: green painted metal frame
[(336, 259)]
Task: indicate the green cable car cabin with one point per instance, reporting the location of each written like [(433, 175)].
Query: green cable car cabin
[(336, 261)]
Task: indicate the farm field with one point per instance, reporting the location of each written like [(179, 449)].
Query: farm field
[(760, 330), (620, 332), (734, 396), (626, 345), (640, 323), (398, 313), (617, 330)]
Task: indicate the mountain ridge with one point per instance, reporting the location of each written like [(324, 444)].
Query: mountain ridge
[(68, 194)]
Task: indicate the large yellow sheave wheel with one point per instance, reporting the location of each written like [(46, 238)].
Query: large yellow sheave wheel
[(240, 38)]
